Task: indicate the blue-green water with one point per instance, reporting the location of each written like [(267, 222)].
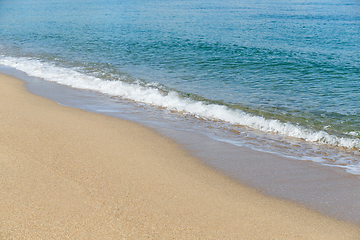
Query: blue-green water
[(289, 68)]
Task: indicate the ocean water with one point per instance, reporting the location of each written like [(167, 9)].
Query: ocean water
[(276, 76)]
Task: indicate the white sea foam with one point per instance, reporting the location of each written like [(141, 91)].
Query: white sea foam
[(354, 133), (173, 101)]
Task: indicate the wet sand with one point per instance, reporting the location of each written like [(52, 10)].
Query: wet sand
[(68, 173)]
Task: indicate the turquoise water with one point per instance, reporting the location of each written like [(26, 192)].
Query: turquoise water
[(290, 69)]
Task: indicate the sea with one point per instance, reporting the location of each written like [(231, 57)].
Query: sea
[(280, 77)]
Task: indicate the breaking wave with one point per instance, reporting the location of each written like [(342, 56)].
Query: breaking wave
[(172, 100)]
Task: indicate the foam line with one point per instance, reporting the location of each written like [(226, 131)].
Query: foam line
[(172, 101)]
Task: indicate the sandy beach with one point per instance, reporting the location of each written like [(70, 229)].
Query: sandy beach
[(67, 173)]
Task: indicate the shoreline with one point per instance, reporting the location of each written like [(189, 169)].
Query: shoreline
[(72, 173), (307, 183)]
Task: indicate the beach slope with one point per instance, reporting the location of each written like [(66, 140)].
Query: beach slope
[(67, 173)]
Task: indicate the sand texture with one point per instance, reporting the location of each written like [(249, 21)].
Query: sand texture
[(70, 174)]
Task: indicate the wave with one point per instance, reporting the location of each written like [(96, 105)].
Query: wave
[(172, 100)]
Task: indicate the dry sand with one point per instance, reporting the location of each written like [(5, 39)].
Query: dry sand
[(67, 173)]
